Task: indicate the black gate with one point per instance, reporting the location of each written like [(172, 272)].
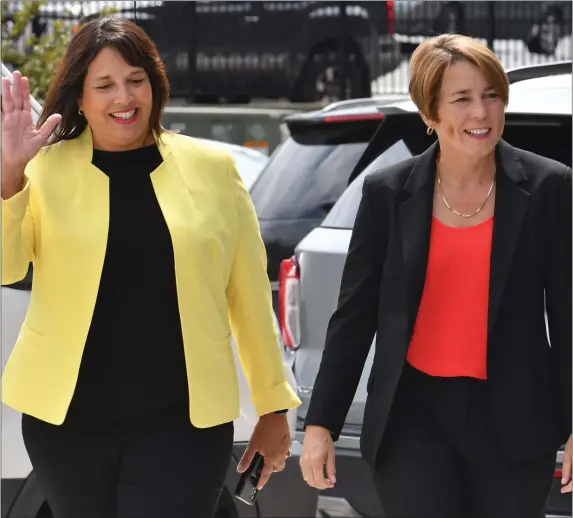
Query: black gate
[(312, 51)]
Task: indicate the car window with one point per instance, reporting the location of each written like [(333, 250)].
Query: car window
[(344, 211), (546, 135), (308, 172), (306, 180)]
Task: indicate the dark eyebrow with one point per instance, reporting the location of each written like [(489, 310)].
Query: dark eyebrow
[(107, 77)]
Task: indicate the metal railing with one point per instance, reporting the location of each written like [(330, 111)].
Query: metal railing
[(307, 50)]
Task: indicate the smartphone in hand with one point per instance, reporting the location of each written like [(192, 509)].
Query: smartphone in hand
[(246, 490)]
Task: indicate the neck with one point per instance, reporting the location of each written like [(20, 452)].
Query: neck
[(107, 146), (465, 171)]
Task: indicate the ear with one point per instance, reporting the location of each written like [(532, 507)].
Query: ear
[(428, 122), (80, 104), (425, 119)]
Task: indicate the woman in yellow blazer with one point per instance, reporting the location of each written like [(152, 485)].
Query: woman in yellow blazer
[(147, 256)]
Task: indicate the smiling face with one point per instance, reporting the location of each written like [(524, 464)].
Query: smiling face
[(116, 102), (470, 112)]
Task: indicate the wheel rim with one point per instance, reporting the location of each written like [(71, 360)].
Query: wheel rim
[(549, 35)]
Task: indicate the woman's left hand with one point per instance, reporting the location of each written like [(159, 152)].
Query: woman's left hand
[(271, 438), (566, 469)]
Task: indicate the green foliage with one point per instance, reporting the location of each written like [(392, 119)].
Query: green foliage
[(39, 57)]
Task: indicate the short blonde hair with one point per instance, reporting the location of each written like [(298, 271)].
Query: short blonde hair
[(431, 60)]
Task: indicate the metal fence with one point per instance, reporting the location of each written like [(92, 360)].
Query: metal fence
[(520, 33), (308, 51)]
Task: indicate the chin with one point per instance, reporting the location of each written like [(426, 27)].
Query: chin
[(133, 138), (481, 149)]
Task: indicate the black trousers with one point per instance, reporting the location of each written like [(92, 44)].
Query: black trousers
[(165, 469), (439, 457)]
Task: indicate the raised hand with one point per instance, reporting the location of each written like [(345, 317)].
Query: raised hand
[(21, 141)]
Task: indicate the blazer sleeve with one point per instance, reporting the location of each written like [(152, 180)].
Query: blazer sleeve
[(353, 324), (17, 236), (558, 296), (251, 313)]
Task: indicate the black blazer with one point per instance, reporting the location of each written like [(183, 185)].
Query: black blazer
[(530, 273)]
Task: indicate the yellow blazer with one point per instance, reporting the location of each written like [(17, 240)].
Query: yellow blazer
[(60, 222)]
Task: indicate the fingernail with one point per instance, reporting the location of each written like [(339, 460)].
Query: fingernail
[(333, 479), (563, 479)]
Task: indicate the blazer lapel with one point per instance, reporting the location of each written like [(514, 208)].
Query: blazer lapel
[(84, 216), (415, 224), (511, 201)]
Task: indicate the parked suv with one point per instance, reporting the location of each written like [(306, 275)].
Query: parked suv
[(309, 171), (237, 50), (272, 49), (538, 119)]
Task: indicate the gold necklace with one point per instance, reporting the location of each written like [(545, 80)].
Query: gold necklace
[(460, 214)]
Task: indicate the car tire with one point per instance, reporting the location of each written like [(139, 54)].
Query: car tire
[(450, 19), (319, 77), (545, 35)]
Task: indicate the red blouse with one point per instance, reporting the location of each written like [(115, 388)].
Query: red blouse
[(450, 333)]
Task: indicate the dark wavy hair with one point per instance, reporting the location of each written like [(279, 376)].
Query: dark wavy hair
[(136, 48)]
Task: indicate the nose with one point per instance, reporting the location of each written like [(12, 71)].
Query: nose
[(479, 110), (124, 96)]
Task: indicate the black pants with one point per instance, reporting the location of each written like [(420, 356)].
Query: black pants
[(439, 457), (163, 470)]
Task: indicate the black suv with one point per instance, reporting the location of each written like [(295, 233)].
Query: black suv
[(272, 49), (309, 171)]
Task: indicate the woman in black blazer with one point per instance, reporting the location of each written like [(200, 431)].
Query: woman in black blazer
[(456, 257)]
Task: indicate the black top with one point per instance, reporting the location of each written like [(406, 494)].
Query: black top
[(528, 382), (133, 366)]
